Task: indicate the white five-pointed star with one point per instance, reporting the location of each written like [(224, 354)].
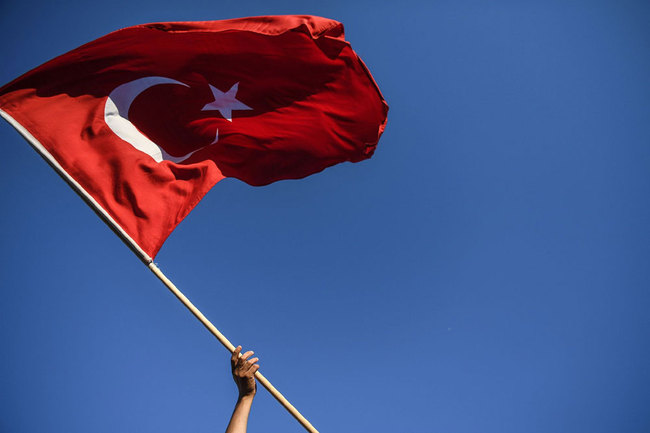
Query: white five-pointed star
[(225, 102)]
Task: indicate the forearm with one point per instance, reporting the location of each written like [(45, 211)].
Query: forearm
[(239, 418)]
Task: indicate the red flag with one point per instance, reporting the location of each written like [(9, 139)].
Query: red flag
[(145, 120)]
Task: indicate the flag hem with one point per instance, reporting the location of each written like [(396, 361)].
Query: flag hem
[(90, 201)]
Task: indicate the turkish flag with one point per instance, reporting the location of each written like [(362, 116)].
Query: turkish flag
[(145, 120)]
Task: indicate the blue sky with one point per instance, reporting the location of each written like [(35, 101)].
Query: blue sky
[(486, 271)]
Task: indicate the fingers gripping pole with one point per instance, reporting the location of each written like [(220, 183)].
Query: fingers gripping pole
[(231, 348)]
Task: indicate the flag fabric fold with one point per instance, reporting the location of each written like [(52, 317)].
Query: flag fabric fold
[(145, 120)]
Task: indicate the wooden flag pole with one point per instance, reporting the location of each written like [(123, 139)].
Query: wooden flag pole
[(133, 246), (228, 345)]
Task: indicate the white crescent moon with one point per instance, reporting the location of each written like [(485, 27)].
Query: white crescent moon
[(116, 116)]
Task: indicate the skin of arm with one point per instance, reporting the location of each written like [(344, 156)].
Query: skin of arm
[(243, 372)]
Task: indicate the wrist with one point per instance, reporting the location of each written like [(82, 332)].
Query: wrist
[(244, 397)]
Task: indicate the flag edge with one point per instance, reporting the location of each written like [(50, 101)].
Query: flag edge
[(85, 196)]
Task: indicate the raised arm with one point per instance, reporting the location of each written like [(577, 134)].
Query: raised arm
[(243, 372)]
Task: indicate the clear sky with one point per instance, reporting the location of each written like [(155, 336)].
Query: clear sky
[(486, 271)]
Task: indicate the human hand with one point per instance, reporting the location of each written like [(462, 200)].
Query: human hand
[(243, 372)]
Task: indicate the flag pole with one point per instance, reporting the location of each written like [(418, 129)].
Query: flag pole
[(231, 348), (133, 246)]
